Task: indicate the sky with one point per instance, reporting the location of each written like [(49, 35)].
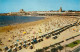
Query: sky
[(38, 5)]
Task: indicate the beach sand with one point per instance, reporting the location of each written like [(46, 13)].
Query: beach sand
[(30, 30)]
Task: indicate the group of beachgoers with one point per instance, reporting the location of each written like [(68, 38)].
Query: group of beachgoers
[(22, 35)]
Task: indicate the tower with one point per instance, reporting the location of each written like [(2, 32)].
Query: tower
[(21, 10), (60, 10)]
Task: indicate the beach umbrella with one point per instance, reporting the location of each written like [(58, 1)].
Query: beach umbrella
[(17, 40), (31, 46), (11, 46), (16, 44), (24, 45), (0, 42), (41, 39), (32, 42), (35, 41), (9, 50), (0, 49), (20, 42), (73, 29), (28, 43), (25, 41), (34, 32), (79, 30), (5, 48), (9, 39), (14, 49), (24, 32), (19, 47), (39, 31)]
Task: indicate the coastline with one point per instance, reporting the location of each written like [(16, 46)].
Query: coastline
[(50, 23), (19, 25)]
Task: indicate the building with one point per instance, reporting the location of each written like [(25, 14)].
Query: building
[(42, 13), (60, 10), (20, 13), (36, 13)]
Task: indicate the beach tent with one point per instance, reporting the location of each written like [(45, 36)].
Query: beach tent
[(79, 30)]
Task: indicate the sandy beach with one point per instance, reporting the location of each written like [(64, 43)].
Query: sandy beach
[(25, 31)]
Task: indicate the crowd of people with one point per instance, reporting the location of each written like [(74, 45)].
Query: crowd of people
[(34, 31)]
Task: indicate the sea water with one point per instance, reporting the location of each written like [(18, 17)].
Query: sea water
[(9, 20)]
